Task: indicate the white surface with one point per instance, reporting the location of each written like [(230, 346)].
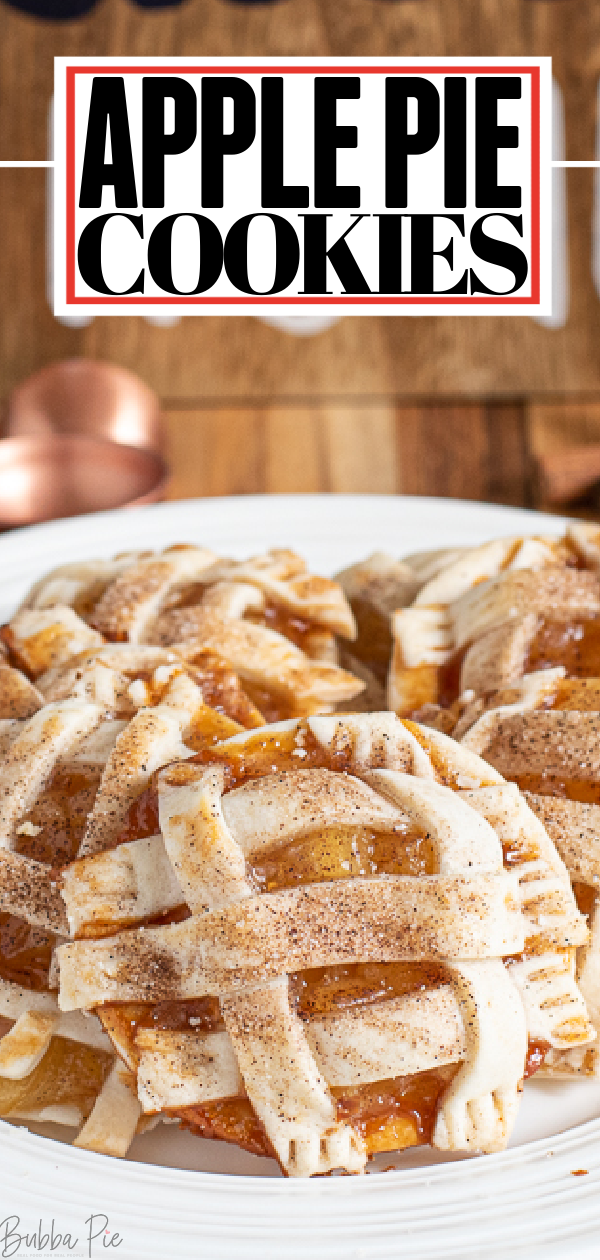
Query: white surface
[(213, 1202), (69, 321), (301, 325), (560, 229)]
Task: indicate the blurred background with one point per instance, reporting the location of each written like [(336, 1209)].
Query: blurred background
[(505, 410)]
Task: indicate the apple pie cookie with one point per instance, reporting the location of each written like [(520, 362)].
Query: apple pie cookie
[(77, 751), (548, 745), (267, 618), (315, 946), (376, 588), (53, 1067), (520, 676), (497, 614)]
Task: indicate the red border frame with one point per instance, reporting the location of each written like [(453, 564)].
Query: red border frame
[(373, 299)]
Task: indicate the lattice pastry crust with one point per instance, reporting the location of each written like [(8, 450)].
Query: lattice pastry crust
[(553, 752), (267, 618), (70, 769), (260, 798), (486, 614), (199, 949), (526, 697)]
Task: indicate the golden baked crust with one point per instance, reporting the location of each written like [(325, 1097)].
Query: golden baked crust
[(70, 769), (268, 619), (519, 684), (318, 937), (293, 800)]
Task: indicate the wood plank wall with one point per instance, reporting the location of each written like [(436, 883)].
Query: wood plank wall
[(219, 359), (457, 406)]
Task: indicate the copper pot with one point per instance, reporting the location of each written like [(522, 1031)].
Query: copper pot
[(54, 475), (86, 396)]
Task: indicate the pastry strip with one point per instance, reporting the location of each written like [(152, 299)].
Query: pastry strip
[(478, 1109), (120, 886), (130, 602), (18, 696), (152, 738), (561, 742), (77, 581), (41, 639), (111, 1126), (16, 1001), (269, 660), (28, 890), (305, 1133), (282, 577), (384, 918), (574, 826), (374, 1042), (42, 740)]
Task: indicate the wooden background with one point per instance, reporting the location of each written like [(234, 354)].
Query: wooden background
[(457, 406)]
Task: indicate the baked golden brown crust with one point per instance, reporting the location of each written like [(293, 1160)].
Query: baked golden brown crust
[(268, 619), (340, 777), (518, 681), (278, 924)]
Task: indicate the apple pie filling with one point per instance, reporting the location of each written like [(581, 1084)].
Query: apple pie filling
[(70, 1075), (574, 645)]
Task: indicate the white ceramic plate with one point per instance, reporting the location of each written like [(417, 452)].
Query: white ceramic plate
[(178, 1196)]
